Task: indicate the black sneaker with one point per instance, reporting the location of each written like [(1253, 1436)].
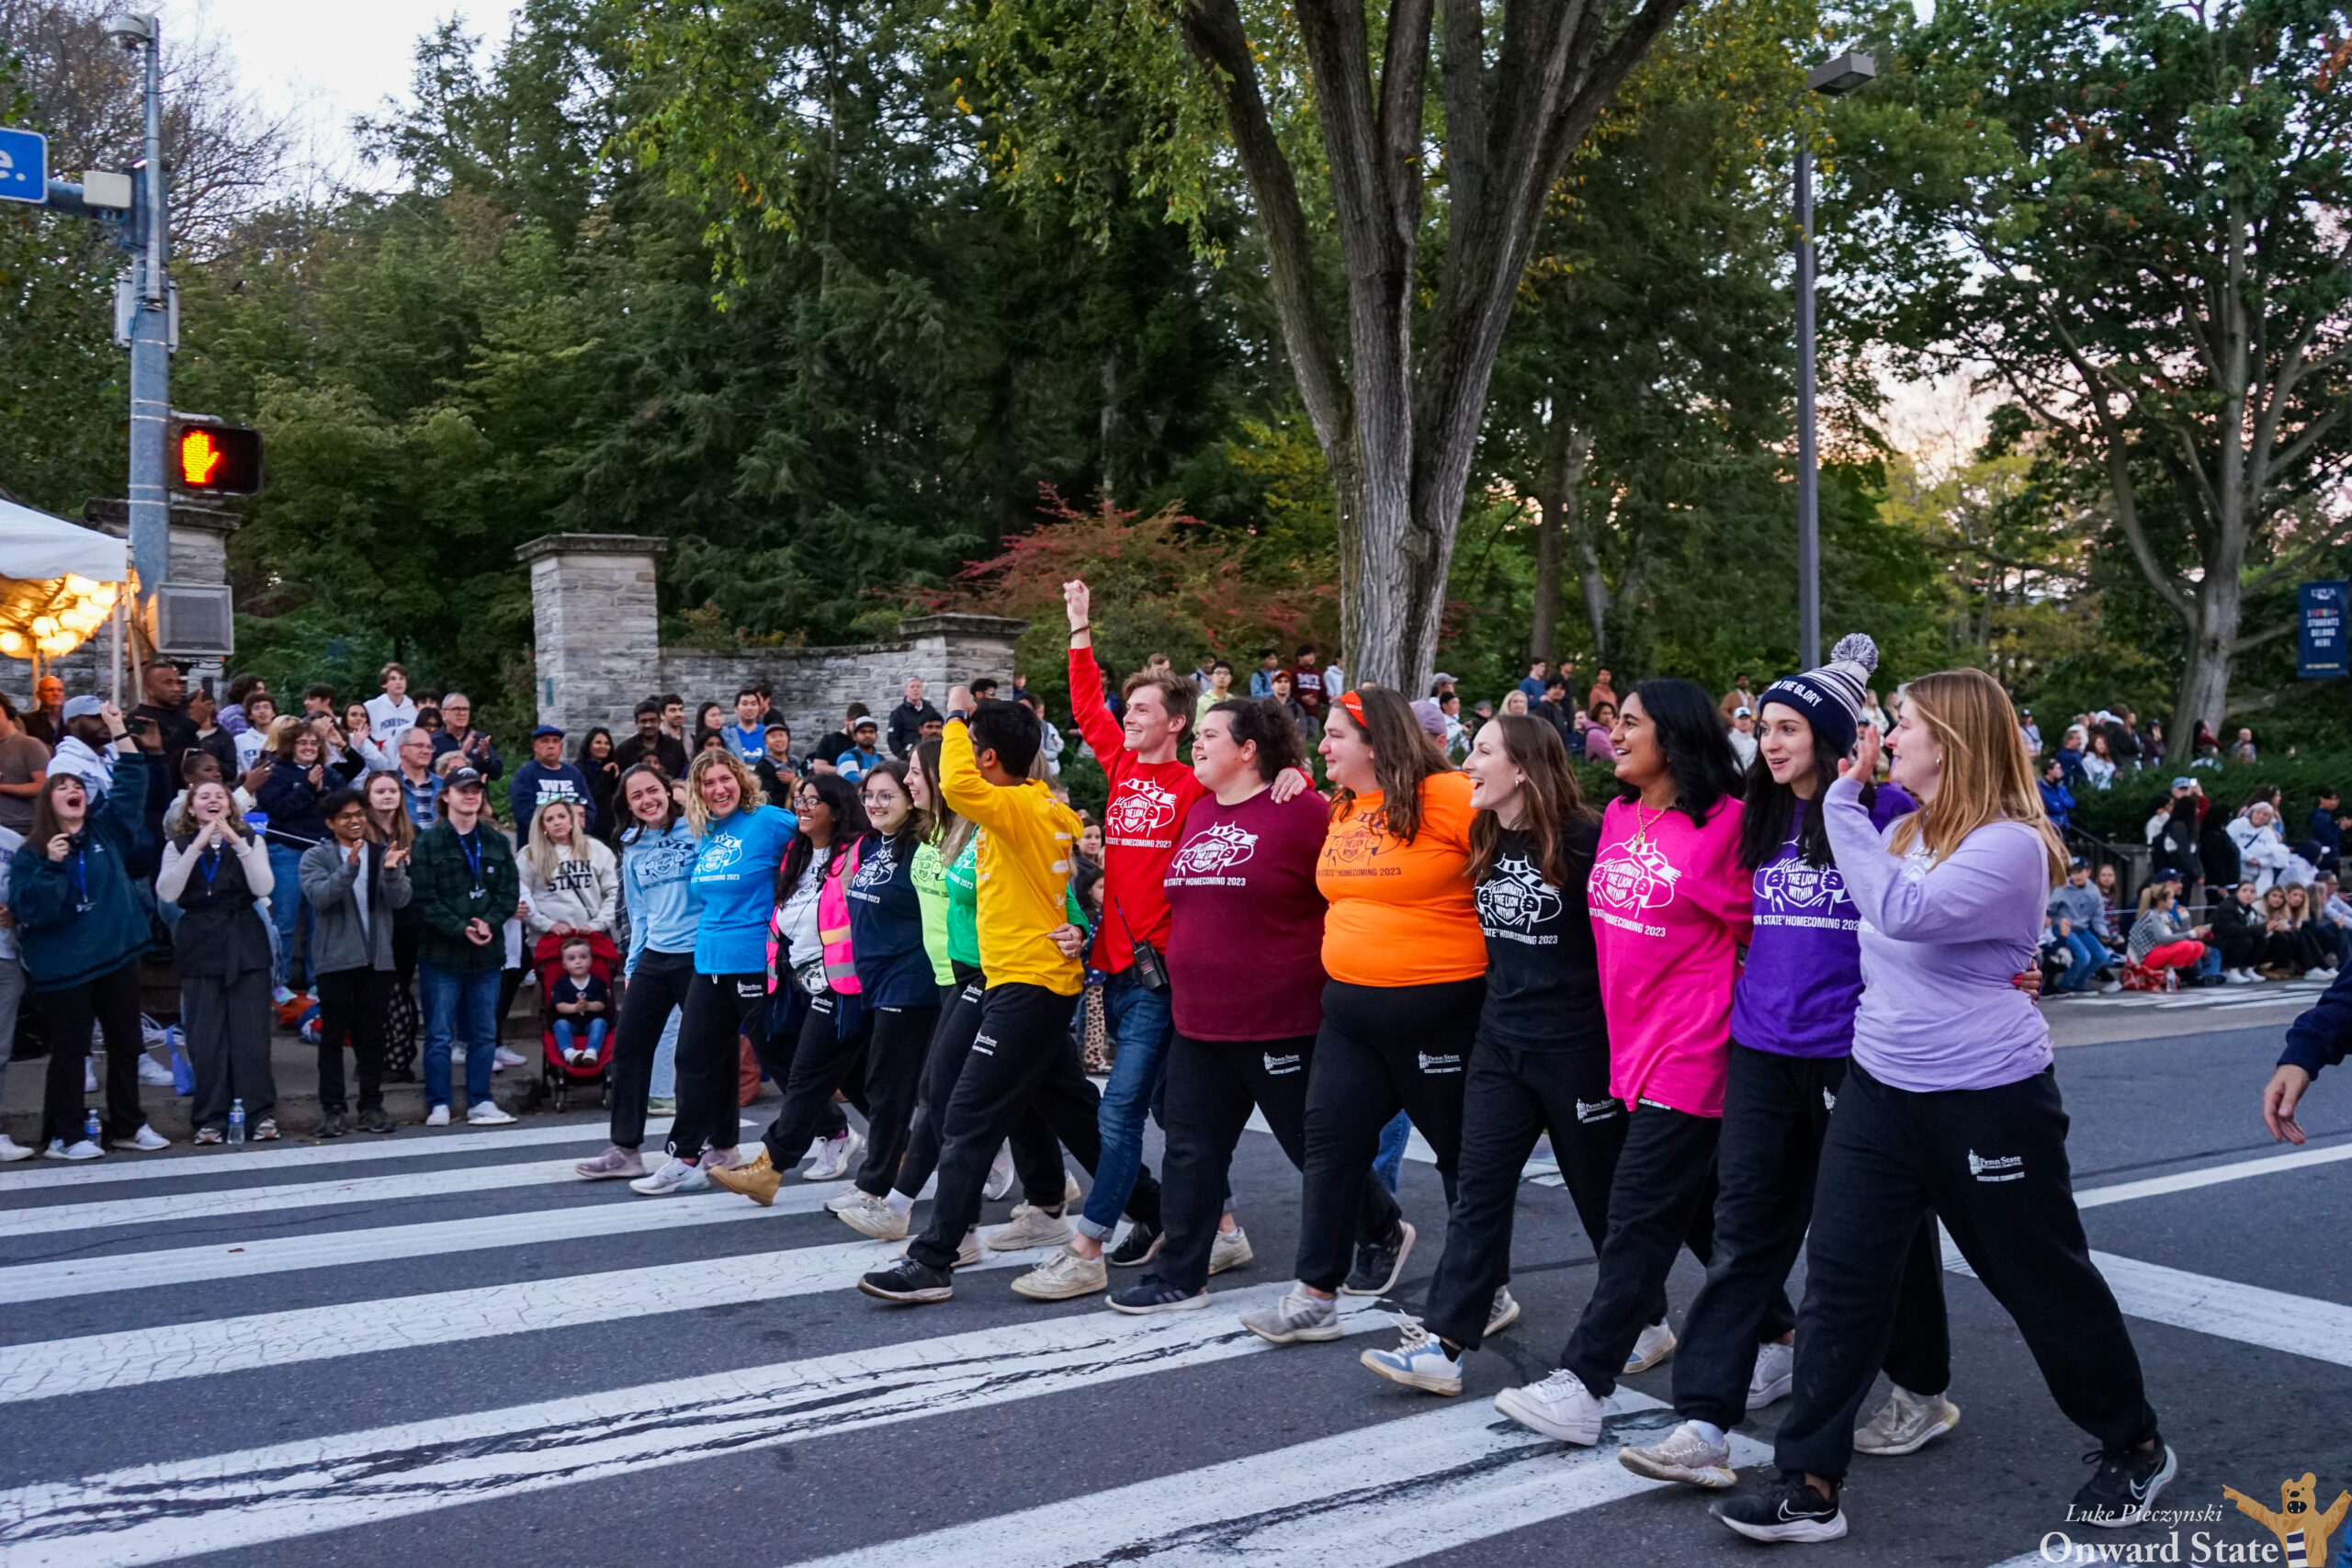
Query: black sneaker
[(1140, 1246), (909, 1281), (375, 1119), (1788, 1508), (2123, 1488), (331, 1125), (1379, 1265), (1156, 1294)]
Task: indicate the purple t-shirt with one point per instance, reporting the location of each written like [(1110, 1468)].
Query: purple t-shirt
[(1245, 947), (1804, 977)]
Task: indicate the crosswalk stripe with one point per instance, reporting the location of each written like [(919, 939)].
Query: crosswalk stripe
[(148, 1513), (280, 1254), (2187, 1180), (233, 1162), (166, 1352), (2300, 1326), (1372, 1497)]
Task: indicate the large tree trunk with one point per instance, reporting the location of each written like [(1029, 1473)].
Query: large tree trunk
[(1558, 490)]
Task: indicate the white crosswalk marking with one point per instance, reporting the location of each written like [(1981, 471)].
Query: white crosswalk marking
[(1372, 1497), (278, 1255), (154, 1512)]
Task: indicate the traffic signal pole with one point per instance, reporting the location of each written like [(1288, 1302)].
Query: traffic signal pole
[(151, 355)]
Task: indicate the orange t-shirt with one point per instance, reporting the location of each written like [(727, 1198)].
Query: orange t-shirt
[(1402, 914)]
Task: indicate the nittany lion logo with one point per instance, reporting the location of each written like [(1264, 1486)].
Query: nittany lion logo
[(876, 868), (1634, 875), (720, 853), (1792, 885), (1516, 897), (1141, 807), (1217, 849)]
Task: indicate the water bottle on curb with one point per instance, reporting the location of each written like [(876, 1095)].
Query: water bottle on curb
[(236, 1123)]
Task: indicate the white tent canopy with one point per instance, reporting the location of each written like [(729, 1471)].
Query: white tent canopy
[(36, 547)]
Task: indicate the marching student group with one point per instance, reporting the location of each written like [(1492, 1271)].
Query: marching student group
[(1755, 1012)]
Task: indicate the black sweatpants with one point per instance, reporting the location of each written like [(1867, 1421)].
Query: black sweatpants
[(809, 1069), (112, 1000), (1513, 1096), (719, 1008), (1382, 1049), (1776, 1111), (898, 1043), (1992, 1165), (1662, 1198), (1021, 1057), (1212, 1086), (660, 984), (352, 1007), (1036, 1152)]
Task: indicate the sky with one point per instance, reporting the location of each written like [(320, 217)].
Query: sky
[(325, 60)]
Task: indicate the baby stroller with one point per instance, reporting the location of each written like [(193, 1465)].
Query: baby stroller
[(560, 1076)]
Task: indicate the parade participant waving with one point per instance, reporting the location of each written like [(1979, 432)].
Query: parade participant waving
[(741, 845), (1408, 975), (1792, 1029), (1671, 906), (1541, 1063), (1950, 1107)]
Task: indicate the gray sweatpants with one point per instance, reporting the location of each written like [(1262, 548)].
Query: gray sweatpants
[(227, 1026)]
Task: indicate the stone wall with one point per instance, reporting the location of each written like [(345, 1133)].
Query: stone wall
[(598, 653)]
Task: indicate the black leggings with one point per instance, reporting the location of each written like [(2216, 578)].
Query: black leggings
[(897, 1046), (660, 983), (818, 1062), (113, 1000), (720, 1008), (1382, 1049), (1036, 1152)]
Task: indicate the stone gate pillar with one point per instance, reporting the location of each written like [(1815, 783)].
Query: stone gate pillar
[(595, 632)]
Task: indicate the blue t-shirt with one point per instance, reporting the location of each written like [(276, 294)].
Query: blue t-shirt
[(1798, 992), (886, 928), (662, 908), (734, 877), (750, 744)]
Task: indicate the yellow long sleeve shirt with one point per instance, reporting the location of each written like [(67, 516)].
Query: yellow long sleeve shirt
[(1025, 866)]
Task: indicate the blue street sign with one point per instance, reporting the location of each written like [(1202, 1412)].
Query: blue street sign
[(2319, 631), (24, 165)]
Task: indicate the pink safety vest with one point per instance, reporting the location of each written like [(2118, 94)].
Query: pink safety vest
[(832, 925)]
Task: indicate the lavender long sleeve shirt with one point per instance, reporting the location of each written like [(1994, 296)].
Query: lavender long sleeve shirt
[(1939, 947)]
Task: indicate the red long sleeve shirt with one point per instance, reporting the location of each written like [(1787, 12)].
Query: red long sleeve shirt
[(1141, 822)]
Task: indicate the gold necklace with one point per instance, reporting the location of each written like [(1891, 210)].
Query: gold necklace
[(1642, 825)]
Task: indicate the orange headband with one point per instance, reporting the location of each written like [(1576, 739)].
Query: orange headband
[(1354, 704)]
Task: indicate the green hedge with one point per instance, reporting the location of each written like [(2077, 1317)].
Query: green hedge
[(2119, 815)]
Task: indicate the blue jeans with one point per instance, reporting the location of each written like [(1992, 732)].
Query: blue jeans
[(1138, 1022), (1389, 1163), (456, 1003), (2090, 956), (288, 908), (566, 1032)]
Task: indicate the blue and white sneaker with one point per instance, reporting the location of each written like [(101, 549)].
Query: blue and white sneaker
[(675, 1177), (1419, 1361)]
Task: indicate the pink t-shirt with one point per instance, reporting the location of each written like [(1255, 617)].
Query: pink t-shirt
[(1671, 905)]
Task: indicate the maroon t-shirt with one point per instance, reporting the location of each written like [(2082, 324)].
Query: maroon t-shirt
[(1245, 951)]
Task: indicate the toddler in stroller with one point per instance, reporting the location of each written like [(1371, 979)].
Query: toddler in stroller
[(575, 973)]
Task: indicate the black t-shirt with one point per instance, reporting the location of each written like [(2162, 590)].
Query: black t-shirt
[(1543, 978), (830, 746)]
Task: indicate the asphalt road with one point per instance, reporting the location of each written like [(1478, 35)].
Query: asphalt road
[(437, 1349)]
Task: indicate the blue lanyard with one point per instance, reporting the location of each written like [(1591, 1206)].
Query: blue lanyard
[(210, 864), (80, 881)]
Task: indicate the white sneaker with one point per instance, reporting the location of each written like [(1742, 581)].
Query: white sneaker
[(503, 1058), (1906, 1422), (1030, 1227), (874, 1217), (1298, 1316), (1775, 1374), (2237, 978), (1063, 1277), (676, 1176), (1656, 1345), (2108, 987), (89, 1077), (833, 1156), (1684, 1455), (1000, 1174), (1419, 1361), (1231, 1250), (486, 1114), (147, 1140), (153, 1073), (841, 1203), (1560, 1407), (12, 1151), (437, 1117), (82, 1149)]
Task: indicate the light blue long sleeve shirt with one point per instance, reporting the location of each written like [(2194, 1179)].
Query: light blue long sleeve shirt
[(657, 873)]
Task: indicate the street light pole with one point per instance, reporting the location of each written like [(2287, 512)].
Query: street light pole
[(149, 324), (1838, 77)]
